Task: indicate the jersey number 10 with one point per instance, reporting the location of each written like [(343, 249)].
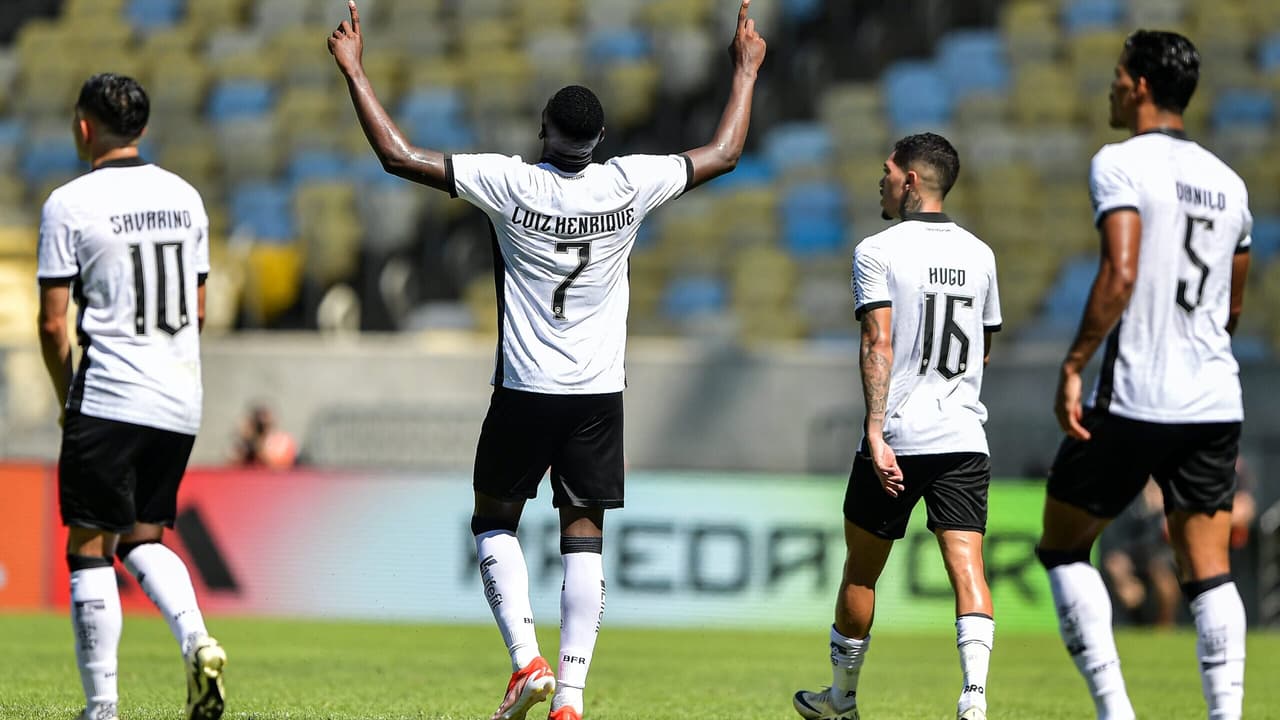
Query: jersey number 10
[(951, 332), (159, 295)]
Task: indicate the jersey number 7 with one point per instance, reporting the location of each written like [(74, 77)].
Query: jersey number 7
[(584, 256), (165, 251)]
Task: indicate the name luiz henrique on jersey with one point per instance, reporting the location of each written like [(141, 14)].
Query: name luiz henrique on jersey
[(562, 243)]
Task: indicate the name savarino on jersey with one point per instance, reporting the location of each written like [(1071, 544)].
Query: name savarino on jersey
[(573, 226), (150, 220)]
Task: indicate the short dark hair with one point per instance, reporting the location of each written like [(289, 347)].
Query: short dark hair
[(116, 101), (1169, 62), (931, 150), (576, 112)]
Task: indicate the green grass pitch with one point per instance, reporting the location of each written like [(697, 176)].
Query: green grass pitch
[(284, 669)]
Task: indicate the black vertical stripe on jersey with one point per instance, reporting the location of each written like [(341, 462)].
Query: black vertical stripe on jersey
[(1107, 378), (140, 290), (450, 182), (76, 398), (688, 174), (500, 289)]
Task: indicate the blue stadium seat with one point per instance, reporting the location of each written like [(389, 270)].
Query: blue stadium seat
[(265, 210), (813, 218), (752, 171), (50, 156), (152, 14), (12, 133), (317, 165), (1269, 54), (916, 94), (1234, 108), (973, 62), (1266, 238), (1085, 15), (686, 297), (234, 99), (617, 45), (1060, 307), (796, 144), (1250, 348), (368, 171), (433, 117)]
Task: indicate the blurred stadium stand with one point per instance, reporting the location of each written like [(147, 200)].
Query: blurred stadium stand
[(248, 106)]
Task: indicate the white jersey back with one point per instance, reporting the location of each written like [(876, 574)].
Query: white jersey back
[(562, 247), (1169, 359), (940, 281), (133, 238)]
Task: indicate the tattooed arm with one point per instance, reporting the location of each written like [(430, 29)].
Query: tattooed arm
[(876, 361)]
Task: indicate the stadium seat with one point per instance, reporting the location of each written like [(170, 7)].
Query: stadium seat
[(795, 144), (213, 14), (609, 14), (272, 16), (1044, 93), (1156, 13), (1243, 108), (536, 14), (264, 211), (50, 156), (752, 171), (273, 279), (149, 15), (681, 54), (688, 297), (972, 62), (309, 166), (1269, 54), (1030, 31), (629, 91), (237, 99), (813, 218), (618, 45), (1266, 238), (1088, 15), (434, 117), (916, 94), (12, 135), (18, 302)]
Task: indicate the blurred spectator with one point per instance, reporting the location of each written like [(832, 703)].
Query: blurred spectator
[(1138, 562), (263, 444), (1244, 510)]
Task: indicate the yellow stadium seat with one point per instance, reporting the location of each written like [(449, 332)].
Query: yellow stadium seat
[(247, 65), (442, 73), (384, 67), (179, 39), (674, 13), (1030, 31), (498, 83), (49, 85), (318, 204), (1092, 57), (19, 303), (1043, 94), (301, 54), (487, 36), (850, 103), (273, 279), (629, 92), (91, 11), (214, 14), (177, 84), (531, 14), (481, 299), (762, 276), (16, 241), (301, 109)]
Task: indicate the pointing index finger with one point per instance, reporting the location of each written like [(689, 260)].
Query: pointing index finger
[(355, 16), (742, 13)]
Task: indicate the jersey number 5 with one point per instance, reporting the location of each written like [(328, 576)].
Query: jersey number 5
[(167, 253), (1183, 301), (951, 331), (584, 256)]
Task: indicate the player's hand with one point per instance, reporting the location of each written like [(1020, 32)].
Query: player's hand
[(1067, 405), (747, 50), (885, 462), (346, 44)]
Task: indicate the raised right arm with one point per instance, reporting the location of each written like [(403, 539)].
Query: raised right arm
[(397, 155)]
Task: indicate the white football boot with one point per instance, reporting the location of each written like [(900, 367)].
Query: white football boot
[(205, 696), (104, 712), (973, 713), (819, 706)]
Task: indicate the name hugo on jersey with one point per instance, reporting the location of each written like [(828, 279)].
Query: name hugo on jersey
[(573, 226), (150, 220)]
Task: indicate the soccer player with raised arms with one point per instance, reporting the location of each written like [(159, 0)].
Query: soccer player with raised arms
[(1175, 228), (563, 230), (926, 295), (130, 241)]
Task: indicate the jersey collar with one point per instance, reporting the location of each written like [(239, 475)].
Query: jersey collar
[(135, 161), (1171, 132), (931, 217)]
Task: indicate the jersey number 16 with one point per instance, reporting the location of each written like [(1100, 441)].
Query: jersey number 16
[(951, 332)]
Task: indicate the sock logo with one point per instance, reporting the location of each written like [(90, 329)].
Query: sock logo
[(974, 689), (573, 659), (851, 694), (86, 628), (1213, 644), (491, 593)]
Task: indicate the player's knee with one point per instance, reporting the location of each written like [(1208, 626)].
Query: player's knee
[(124, 548), (481, 525), (570, 544), (1051, 559), (86, 562)]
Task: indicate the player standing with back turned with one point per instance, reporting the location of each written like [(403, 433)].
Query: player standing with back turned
[(563, 229), (1175, 227), (132, 242), (927, 297)]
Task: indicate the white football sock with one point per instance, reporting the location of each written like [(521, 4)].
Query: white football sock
[(1220, 633), (506, 588), (164, 578), (1084, 620), (96, 619), (847, 655), (975, 636), (581, 611)]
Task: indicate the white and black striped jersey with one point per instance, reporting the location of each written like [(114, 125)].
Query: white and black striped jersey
[(562, 243), (940, 281), (1169, 359), (133, 239)]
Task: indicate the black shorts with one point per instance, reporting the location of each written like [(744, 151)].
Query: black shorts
[(579, 437), (1194, 464), (114, 474), (954, 487)]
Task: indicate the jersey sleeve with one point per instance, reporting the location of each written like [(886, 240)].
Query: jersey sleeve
[(202, 250), (482, 180), (56, 256), (1110, 187), (1245, 240), (658, 179), (870, 280), (992, 320)]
